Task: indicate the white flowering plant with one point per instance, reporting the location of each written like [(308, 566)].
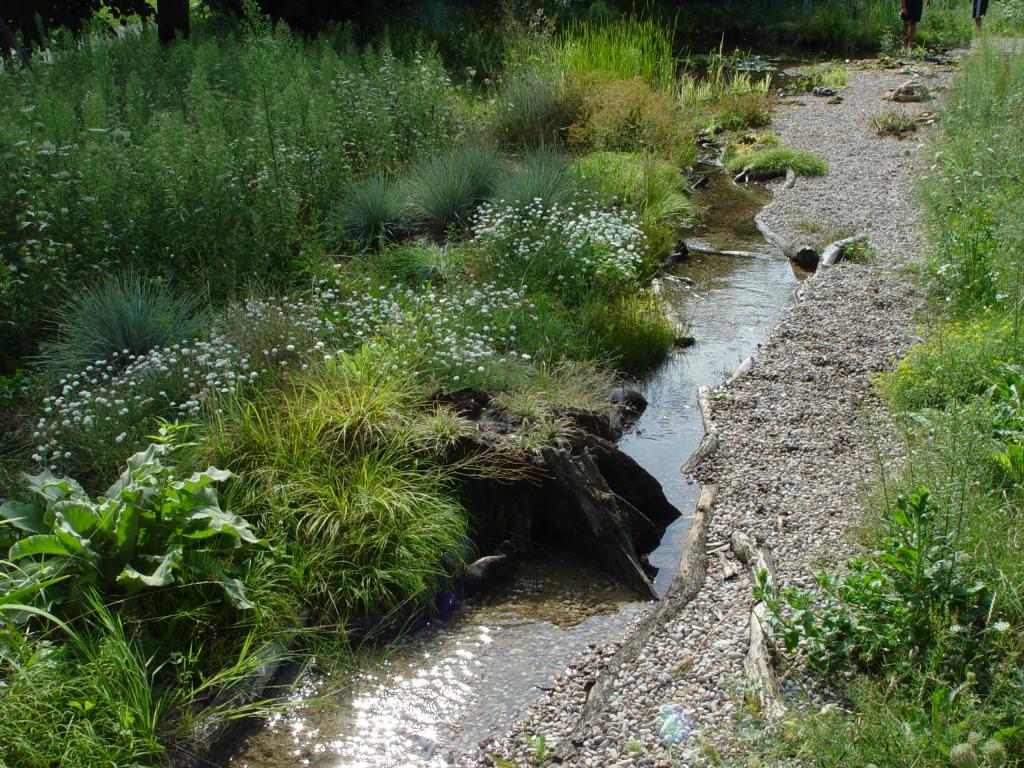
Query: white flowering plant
[(449, 338), (571, 249)]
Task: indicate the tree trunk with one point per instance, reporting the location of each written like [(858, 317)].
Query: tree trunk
[(172, 20)]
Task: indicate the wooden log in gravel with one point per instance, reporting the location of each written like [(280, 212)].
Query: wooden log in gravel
[(758, 663), (834, 252), (709, 443), (685, 586)]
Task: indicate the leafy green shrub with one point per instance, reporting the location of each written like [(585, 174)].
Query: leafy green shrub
[(917, 601), (540, 175), (534, 107), (121, 315), (631, 116), (445, 190), (958, 362), (373, 212), (148, 530), (775, 161), (745, 110)]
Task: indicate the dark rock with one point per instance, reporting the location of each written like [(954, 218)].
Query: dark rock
[(469, 403), (591, 518), (679, 254), (591, 422), (909, 91), (626, 397), (684, 342), (481, 574), (632, 483), (806, 258), (822, 91), (584, 495)]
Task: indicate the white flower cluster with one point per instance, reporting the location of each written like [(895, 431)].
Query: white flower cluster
[(447, 335), (563, 244), (109, 400)]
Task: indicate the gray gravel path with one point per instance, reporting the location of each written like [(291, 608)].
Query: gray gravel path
[(794, 453)]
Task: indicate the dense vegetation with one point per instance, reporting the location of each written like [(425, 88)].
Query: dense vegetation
[(238, 271), (923, 634)]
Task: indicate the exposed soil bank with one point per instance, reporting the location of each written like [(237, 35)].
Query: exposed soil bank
[(793, 456)]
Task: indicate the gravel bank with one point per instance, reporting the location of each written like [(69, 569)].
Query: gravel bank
[(794, 452)]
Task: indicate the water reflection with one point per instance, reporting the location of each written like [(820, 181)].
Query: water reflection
[(457, 681)]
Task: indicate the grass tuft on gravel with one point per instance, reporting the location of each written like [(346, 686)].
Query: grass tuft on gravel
[(773, 162)]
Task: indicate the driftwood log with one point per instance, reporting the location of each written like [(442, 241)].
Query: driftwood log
[(834, 252), (741, 370), (758, 662), (699, 248), (685, 586), (709, 443)]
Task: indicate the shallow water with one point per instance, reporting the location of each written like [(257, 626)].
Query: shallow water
[(464, 679)]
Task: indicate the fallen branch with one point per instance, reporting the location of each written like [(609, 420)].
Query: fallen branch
[(709, 443), (741, 370), (758, 663), (834, 252)]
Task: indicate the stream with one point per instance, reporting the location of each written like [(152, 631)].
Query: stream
[(461, 680)]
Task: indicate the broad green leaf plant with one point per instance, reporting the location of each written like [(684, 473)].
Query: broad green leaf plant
[(149, 530)]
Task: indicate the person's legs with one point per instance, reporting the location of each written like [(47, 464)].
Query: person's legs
[(911, 15), (980, 8)]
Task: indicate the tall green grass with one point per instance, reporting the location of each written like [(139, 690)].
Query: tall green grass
[(200, 163), (626, 48), (336, 464)]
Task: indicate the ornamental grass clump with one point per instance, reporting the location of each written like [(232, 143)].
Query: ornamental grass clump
[(533, 107), (122, 313), (445, 190), (335, 461), (626, 48), (374, 212), (571, 251), (541, 175), (775, 161)]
